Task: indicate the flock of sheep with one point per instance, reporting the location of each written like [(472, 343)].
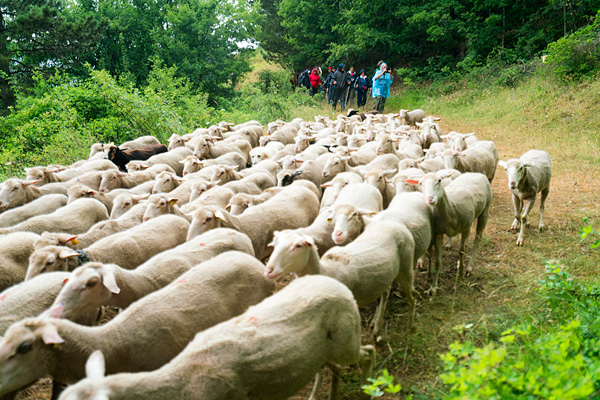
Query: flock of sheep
[(178, 241)]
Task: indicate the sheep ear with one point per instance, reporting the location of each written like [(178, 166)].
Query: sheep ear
[(67, 253), (363, 172), (228, 207), (50, 335), (412, 181), (213, 183), (419, 124), (363, 211), (220, 216), (68, 238), (92, 192), (54, 312), (233, 168), (388, 172), (446, 174), (502, 163), (296, 173), (29, 183), (109, 280), (345, 158), (95, 365), (172, 200)]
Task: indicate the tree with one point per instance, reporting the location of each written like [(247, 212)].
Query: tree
[(42, 35)]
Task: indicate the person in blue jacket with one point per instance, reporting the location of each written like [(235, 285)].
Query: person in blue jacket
[(362, 85), (382, 80)]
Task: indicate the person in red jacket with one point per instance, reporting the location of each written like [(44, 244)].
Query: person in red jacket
[(315, 82)]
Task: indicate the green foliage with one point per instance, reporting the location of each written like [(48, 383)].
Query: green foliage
[(64, 116), (428, 36), (588, 231), (538, 360), (578, 54), (384, 383)]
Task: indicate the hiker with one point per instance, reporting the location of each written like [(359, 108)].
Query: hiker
[(315, 82), (351, 90), (340, 83), (328, 83), (362, 85), (382, 81)]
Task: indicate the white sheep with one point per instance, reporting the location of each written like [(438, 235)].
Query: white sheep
[(80, 191), (473, 159), (30, 298), (294, 207), (171, 158), (162, 204), (95, 284), (193, 164), (139, 143), (333, 187), (147, 335), (346, 216), (115, 179), (128, 249), (528, 176), (15, 250), (379, 179), (270, 352), (125, 202), (455, 208), (411, 117), (16, 192), (206, 149), (43, 205), (75, 218), (369, 265)]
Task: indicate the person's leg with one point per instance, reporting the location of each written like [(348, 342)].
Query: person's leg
[(383, 99), (343, 103), (379, 107)]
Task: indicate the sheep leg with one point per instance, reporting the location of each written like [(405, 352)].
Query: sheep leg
[(526, 210), (439, 245), (448, 244), (314, 395), (517, 206), (481, 223), (542, 202), (335, 380), (461, 256), (378, 318), (366, 362)]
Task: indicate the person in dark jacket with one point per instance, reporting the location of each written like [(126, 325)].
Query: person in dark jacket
[(328, 83), (362, 85), (340, 83), (304, 80), (351, 90)]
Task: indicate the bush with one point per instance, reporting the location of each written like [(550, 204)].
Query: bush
[(65, 115), (578, 54), (537, 360)]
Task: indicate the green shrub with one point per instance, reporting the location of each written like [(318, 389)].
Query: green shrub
[(538, 360), (578, 54)]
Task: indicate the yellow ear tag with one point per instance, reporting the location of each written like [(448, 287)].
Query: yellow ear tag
[(173, 202), (74, 241), (55, 345)]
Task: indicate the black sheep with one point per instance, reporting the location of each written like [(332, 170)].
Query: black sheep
[(122, 157)]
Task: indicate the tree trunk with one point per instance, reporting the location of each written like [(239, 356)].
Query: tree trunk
[(6, 92)]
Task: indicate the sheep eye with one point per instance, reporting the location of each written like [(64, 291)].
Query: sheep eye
[(24, 348), (128, 204), (49, 262), (208, 219), (13, 189), (91, 284), (299, 245)]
